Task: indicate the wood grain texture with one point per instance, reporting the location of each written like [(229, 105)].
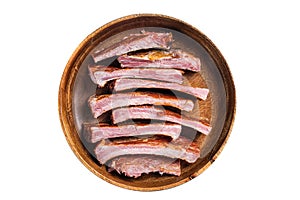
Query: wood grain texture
[(219, 108)]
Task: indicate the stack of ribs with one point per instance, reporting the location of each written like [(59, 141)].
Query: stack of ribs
[(129, 144)]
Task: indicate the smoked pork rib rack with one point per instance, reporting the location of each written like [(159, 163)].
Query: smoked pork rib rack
[(126, 84), (103, 103), (97, 132), (152, 112), (181, 148), (134, 42), (173, 59), (136, 165), (100, 75)]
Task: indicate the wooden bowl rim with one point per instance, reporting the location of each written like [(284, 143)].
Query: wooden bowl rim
[(66, 91)]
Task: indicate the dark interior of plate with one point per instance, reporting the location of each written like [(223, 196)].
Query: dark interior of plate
[(219, 108)]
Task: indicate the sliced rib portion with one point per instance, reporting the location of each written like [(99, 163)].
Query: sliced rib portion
[(125, 84), (135, 166), (103, 103), (101, 75), (161, 59), (96, 132), (151, 112), (134, 42), (181, 148)]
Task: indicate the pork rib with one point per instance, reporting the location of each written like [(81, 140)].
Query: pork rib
[(126, 84), (181, 148), (161, 59), (134, 42), (96, 132), (151, 112), (101, 75), (136, 165), (103, 103)]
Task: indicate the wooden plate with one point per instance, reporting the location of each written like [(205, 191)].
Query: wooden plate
[(219, 108)]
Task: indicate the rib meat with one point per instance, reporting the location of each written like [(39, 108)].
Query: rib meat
[(151, 112), (101, 75), (136, 165), (181, 148), (96, 132), (161, 59), (125, 84), (103, 103), (134, 42)]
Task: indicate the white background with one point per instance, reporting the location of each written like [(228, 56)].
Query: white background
[(260, 41)]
